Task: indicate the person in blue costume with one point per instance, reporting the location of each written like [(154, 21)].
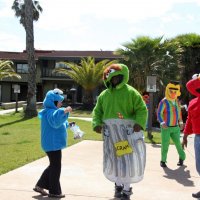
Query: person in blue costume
[(53, 139)]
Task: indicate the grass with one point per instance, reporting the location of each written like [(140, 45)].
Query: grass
[(81, 113), (20, 138)]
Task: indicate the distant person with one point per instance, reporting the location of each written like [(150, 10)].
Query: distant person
[(193, 121), (184, 110), (170, 118), (120, 114), (53, 138), (145, 96)]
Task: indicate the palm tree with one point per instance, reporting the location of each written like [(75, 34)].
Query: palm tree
[(190, 59), (149, 56), (29, 11), (6, 70), (88, 75), (166, 66), (19, 9), (139, 54)]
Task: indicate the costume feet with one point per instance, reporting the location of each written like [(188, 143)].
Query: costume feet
[(56, 196), (196, 195), (163, 164), (118, 191), (126, 194), (180, 162), (40, 190)]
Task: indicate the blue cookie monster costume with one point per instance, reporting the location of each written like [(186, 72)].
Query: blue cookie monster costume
[(53, 139), (53, 123)]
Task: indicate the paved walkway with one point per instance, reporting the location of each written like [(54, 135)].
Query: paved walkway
[(82, 177), (3, 112)]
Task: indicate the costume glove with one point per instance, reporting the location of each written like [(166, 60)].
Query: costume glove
[(137, 128), (98, 129)]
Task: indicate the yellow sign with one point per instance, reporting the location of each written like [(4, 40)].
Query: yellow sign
[(123, 148)]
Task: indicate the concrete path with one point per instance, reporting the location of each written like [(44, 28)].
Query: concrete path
[(82, 177), (3, 112), (82, 118)]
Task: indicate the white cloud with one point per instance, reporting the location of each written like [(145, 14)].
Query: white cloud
[(190, 17), (10, 42), (90, 24)]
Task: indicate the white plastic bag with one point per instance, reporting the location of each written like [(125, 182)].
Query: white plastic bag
[(78, 133)]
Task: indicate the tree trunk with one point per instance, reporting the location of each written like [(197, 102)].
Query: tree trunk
[(31, 110), (88, 103)]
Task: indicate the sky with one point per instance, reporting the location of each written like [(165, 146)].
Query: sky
[(99, 24)]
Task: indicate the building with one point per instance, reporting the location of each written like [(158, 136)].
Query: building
[(46, 62)]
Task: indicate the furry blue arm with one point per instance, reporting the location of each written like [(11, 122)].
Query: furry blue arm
[(57, 118)]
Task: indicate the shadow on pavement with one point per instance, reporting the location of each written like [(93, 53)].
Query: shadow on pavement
[(156, 145), (180, 175), (40, 197)]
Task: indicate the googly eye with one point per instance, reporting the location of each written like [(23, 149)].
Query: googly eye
[(57, 91), (195, 76), (110, 72)]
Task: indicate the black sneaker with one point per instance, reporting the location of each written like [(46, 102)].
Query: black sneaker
[(126, 194), (180, 162), (163, 164), (196, 195), (118, 191)]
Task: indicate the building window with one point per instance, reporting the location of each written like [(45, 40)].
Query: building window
[(61, 64), (22, 68)]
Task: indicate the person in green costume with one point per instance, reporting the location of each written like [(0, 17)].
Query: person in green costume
[(170, 119), (119, 101)]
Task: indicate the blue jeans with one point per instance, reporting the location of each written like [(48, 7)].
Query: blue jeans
[(197, 151)]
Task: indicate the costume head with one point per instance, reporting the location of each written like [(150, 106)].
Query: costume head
[(116, 75), (146, 98), (193, 85), (51, 97), (172, 90)]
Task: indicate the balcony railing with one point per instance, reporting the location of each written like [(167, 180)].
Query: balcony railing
[(48, 73)]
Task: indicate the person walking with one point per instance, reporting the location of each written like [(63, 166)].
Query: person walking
[(192, 125), (120, 114), (53, 139), (170, 118)]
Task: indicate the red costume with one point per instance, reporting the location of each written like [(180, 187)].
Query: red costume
[(192, 123)]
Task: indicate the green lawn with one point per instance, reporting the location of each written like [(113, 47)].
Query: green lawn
[(20, 139), (81, 113)]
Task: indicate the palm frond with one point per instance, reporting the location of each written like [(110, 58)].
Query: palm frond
[(6, 70), (88, 74)]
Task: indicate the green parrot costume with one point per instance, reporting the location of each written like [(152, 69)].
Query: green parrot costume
[(119, 111)]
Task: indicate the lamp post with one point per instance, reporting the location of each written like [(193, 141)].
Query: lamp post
[(73, 91), (151, 88), (16, 91)]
